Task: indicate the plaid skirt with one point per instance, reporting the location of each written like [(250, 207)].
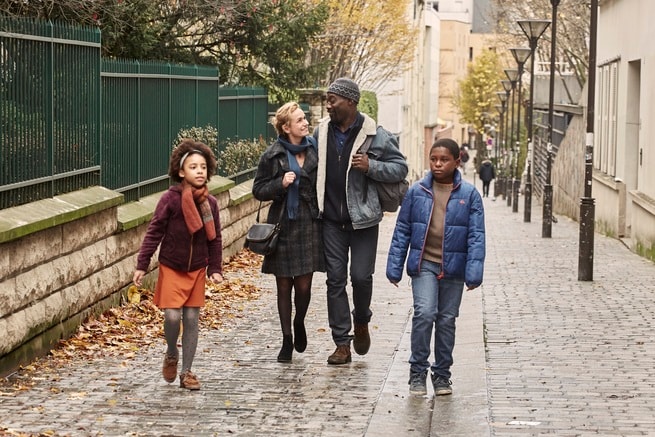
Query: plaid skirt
[(176, 289), (299, 247)]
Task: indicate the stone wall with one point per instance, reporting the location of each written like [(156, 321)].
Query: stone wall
[(568, 170), (65, 258)]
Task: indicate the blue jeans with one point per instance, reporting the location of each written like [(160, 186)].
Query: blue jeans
[(436, 305), (362, 245)]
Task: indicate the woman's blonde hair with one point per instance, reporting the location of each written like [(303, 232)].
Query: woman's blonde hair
[(283, 116)]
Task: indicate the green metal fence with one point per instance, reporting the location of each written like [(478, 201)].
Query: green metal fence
[(144, 106), (241, 110), (70, 119), (49, 118)]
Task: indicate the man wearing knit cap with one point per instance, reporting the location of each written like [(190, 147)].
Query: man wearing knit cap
[(351, 211), (345, 88)]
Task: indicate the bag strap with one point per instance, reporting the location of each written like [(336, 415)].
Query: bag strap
[(363, 149), (279, 219), (367, 144)]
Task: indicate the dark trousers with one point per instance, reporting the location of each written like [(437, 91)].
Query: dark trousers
[(485, 188), (362, 245)]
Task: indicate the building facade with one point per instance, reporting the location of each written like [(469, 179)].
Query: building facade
[(624, 108)]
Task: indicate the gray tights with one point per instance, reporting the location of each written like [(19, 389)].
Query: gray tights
[(190, 317)]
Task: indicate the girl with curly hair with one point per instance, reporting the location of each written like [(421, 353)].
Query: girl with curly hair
[(187, 226)]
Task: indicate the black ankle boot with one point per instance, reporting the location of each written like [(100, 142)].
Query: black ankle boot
[(301, 335), (287, 349)]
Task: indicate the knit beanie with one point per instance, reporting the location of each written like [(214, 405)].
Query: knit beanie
[(345, 88)]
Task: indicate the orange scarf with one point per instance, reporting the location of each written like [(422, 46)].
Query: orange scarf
[(191, 197)]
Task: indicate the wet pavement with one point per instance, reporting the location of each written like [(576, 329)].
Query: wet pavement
[(538, 353)]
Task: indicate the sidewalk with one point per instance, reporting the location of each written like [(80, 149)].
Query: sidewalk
[(566, 357), (538, 353)]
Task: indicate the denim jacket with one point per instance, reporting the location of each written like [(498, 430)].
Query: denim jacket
[(464, 232), (386, 163)]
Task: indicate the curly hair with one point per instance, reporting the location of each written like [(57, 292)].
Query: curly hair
[(283, 116), (190, 146)]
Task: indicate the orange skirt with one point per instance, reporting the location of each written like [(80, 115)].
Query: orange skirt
[(177, 289)]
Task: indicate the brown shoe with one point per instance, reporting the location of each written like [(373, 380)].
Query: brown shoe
[(341, 355), (362, 341), (189, 381), (169, 370)]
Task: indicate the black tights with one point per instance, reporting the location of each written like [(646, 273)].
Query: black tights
[(303, 286)]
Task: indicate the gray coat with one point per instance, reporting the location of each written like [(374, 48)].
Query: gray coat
[(386, 164)]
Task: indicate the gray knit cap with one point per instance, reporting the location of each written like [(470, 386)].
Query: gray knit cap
[(345, 87)]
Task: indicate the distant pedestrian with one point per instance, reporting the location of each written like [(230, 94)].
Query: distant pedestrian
[(286, 174), (487, 174), (348, 199), (441, 224), (186, 224), (463, 157)]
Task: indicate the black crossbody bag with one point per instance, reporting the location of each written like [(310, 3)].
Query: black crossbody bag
[(262, 237)]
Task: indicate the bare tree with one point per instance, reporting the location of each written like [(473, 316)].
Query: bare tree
[(572, 31), (368, 41)]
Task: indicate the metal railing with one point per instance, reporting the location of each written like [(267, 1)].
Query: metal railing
[(49, 117), (70, 119)]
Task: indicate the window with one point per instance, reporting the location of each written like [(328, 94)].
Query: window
[(605, 147)]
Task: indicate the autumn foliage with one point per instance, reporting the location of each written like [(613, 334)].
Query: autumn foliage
[(138, 324)]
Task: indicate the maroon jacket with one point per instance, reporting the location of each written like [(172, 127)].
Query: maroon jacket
[(179, 249)]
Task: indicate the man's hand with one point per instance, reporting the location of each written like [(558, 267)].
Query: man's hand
[(360, 162)]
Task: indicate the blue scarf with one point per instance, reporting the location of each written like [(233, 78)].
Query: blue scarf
[(293, 196)]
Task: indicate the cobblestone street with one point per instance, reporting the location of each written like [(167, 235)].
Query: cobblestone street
[(562, 357)]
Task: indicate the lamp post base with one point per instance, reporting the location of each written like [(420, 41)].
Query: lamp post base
[(508, 190), (503, 190), (586, 252), (527, 212), (515, 193), (547, 223)]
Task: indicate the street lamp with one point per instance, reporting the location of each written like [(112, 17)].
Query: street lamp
[(547, 213), (533, 29), (502, 96), (507, 86), (587, 205), (499, 135), (520, 55), (512, 75)]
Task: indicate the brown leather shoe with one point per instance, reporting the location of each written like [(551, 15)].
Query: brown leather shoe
[(189, 381), (341, 355), (362, 341), (169, 369)]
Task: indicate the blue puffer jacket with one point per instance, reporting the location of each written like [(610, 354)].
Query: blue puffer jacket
[(463, 245)]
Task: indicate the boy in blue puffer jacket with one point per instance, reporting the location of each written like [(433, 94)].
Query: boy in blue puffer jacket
[(441, 223)]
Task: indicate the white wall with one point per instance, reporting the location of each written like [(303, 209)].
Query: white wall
[(634, 53), (408, 104)]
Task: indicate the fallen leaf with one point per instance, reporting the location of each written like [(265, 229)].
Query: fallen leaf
[(133, 295)]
